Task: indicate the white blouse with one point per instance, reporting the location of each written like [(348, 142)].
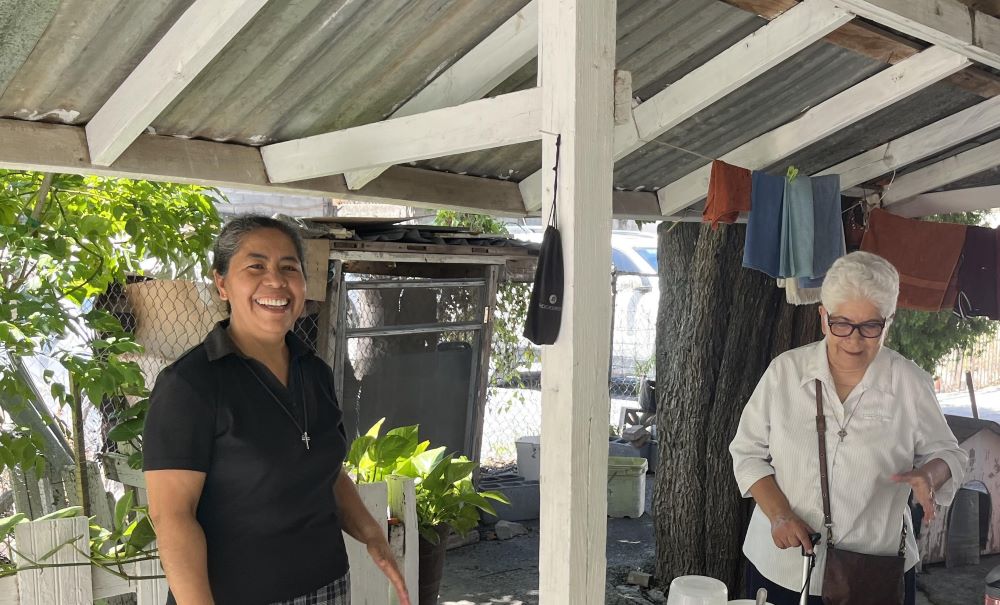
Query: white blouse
[(893, 423)]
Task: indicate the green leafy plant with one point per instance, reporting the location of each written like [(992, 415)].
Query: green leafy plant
[(444, 488)]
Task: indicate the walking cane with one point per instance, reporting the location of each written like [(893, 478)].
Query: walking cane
[(808, 563)]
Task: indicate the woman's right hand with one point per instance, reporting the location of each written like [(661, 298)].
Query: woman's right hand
[(788, 531)]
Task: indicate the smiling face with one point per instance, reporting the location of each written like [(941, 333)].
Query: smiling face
[(852, 353), (264, 285)]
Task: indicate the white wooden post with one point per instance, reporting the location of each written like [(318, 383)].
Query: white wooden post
[(368, 585), (576, 69), (403, 506), (71, 584), (150, 592)]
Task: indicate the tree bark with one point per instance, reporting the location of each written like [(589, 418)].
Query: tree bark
[(718, 328)]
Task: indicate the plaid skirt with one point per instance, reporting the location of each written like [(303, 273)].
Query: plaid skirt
[(336, 593)]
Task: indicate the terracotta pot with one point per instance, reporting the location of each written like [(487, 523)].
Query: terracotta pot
[(432, 566)]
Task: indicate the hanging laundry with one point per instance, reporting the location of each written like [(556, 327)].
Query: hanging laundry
[(728, 194), (762, 249), (796, 294), (828, 226), (977, 274), (797, 229), (925, 254)]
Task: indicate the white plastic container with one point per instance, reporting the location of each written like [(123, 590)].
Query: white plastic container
[(529, 456), (627, 487), (697, 590)]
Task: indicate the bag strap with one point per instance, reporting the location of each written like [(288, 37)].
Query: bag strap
[(823, 475)]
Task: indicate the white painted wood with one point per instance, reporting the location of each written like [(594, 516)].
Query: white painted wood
[(106, 584), (919, 144), (947, 23), (509, 48), (200, 34), (724, 73), (956, 200), (368, 585), (9, 591), (941, 173), (623, 97), (117, 469), (576, 63), (150, 592), (63, 149), (854, 104), (71, 584), (495, 122), (403, 506)]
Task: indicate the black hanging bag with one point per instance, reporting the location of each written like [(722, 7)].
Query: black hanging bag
[(545, 308)]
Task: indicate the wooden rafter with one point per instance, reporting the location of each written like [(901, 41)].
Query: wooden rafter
[(941, 173), (879, 44), (200, 34), (956, 200), (854, 104)]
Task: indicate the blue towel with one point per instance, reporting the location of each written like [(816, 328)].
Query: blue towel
[(763, 243), (828, 243), (797, 229)]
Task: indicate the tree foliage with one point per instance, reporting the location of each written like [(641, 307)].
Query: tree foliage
[(64, 239), (927, 338)]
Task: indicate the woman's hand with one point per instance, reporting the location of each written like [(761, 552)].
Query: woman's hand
[(922, 485), (381, 554), (788, 531)]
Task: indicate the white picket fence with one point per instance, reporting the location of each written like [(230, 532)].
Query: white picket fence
[(74, 582)]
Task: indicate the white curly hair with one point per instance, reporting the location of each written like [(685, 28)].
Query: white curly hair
[(861, 276)]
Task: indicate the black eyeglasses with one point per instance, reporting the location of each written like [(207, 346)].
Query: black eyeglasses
[(868, 329)]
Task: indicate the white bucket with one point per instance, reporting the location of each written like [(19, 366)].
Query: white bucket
[(529, 457), (697, 590)]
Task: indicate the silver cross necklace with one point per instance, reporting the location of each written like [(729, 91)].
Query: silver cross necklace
[(304, 427)]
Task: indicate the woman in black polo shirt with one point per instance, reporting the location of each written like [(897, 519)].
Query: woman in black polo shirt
[(244, 445)]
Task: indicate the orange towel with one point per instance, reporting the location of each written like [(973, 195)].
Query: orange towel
[(925, 254), (728, 194)]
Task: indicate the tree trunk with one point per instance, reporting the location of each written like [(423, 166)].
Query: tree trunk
[(718, 328)]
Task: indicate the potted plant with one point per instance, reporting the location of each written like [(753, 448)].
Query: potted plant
[(446, 498)]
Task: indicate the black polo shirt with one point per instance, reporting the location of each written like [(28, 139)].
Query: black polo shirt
[(268, 509)]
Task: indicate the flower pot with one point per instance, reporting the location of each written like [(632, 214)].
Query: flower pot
[(432, 566)]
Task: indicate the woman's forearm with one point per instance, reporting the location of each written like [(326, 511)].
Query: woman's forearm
[(184, 556), (770, 498), (938, 472), (354, 516)]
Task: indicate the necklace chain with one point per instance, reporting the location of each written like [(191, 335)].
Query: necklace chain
[(304, 427)]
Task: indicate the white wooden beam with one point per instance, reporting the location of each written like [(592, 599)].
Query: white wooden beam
[(854, 104), (946, 171), (200, 34), (919, 144), (956, 200), (724, 73), (576, 68), (504, 120), (509, 48), (947, 23)]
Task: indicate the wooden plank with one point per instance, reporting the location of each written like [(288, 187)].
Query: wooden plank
[(106, 584), (956, 200), (945, 23), (505, 120), (150, 592), (368, 585), (117, 469), (946, 171), (327, 325), (359, 245), (854, 104), (403, 506), (879, 44), (576, 63), (919, 144), (9, 591), (503, 52), (724, 73), (59, 148), (69, 584), (200, 34), (477, 418), (317, 263)]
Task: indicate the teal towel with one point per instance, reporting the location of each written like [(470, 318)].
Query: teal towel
[(797, 229)]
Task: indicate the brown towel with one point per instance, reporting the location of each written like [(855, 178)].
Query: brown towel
[(925, 254), (977, 274), (728, 194)]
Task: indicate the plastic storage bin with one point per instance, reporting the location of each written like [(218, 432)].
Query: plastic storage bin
[(626, 486), (529, 456)]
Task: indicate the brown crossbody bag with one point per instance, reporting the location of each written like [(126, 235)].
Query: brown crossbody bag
[(853, 578)]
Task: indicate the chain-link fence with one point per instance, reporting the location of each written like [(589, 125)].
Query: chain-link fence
[(514, 407)]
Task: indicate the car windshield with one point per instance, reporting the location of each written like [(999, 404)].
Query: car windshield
[(648, 255)]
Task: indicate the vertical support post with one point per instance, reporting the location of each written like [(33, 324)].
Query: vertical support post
[(972, 394), (576, 70), (492, 274)]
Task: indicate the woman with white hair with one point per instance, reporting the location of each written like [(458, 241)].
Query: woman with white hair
[(886, 438)]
